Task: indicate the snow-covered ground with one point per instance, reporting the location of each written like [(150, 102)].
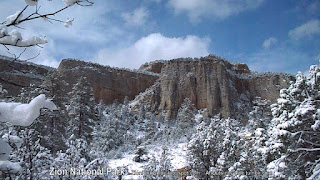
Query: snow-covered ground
[(126, 161), (177, 154)]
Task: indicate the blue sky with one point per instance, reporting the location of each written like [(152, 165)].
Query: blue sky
[(268, 35)]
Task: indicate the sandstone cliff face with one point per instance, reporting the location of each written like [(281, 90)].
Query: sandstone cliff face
[(109, 84), (213, 83), (15, 75)]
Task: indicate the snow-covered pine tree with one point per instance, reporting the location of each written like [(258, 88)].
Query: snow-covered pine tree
[(185, 120), (109, 133), (150, 169), (142, 113), (55, 122), (214, 148), (294, 143), (198, 161), (9, 165), (252, 161), (228, 148), (81, 110), (186, 113), (151, 127), (165, 167), (50, 124), (159, 168), (76, 156), (35, 159), (260, 116), (140, 154), (34, 156)]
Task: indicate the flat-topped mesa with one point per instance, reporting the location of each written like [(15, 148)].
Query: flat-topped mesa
[(109, 84), (156, 66), (214, 83)]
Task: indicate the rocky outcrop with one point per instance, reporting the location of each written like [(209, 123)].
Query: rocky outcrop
[(15, 74), (109, 84), (154, 66), (215, 84)]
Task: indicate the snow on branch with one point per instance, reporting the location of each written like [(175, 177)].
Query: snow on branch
[(13, 139), (24, 114), (14, 38)]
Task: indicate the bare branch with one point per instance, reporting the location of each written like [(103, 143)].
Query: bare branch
[(15, 20), (32, 57), (39, 46), (28, 18), (22, 53), (41, 16), (57, 20), (6, 47), (19, 27), (15, 57)]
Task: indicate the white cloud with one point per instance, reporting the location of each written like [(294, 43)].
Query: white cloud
[(269, 42), (136, 18), (218, 9), (153, 47), (306, 30)]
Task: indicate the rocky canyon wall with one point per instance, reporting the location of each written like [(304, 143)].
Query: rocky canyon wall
[(209, 82), (215, 84), (15, 74), (109, 84)]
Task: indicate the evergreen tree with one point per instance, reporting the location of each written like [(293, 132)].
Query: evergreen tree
[(151, 128), (185, 122), (34, 156), (76, 156), (140, 154), (214, 148), (252, 162), (142, 113), (54, 123), (35, 159), (81, 110), (294, 143), (186, 113), (109, 133), (159, 169), (50, 124)]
